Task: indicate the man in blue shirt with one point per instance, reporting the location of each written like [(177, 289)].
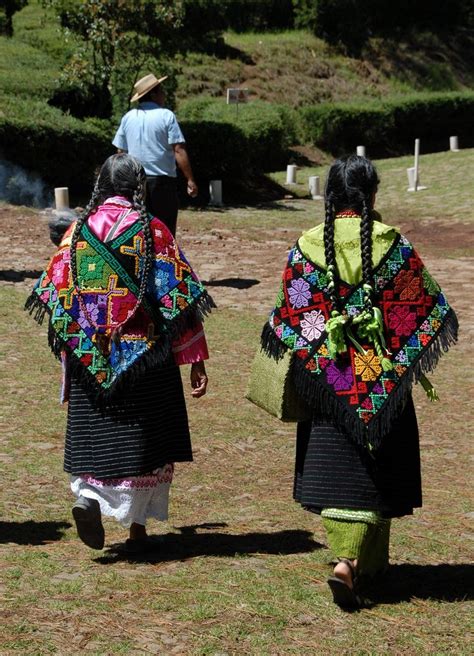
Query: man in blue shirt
[(151, 134)]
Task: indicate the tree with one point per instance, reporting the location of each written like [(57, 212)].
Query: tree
[(8, 8), (118, 38)]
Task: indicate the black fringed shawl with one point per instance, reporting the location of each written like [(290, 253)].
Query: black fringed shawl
[(110, 281), (354, 390)]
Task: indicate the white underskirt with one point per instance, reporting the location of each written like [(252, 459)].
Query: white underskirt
[(129, 500)]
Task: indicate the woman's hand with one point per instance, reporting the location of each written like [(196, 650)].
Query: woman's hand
[(198, 379)]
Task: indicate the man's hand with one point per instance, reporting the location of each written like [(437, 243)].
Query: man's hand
[(198, 379), (192, 188), (182, 160)]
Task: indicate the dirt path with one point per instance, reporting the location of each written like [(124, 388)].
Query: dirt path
[(240, 272)]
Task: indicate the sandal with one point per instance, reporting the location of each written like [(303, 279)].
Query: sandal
[(343, 595)]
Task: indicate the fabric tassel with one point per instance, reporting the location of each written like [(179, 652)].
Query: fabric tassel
[(270, 343), (34, 305), (431, 392), (335, 331)]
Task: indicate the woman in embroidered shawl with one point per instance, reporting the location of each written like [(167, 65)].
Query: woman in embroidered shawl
[(125, 310), (364, 320)]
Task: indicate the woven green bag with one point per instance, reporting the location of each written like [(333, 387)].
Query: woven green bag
[(271, 387)]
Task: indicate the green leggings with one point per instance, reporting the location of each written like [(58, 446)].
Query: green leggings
[(366, 542)]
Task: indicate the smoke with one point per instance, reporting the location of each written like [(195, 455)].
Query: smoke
[(20, 187)]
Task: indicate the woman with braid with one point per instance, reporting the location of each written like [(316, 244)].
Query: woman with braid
[(125, 310), (364, 320)]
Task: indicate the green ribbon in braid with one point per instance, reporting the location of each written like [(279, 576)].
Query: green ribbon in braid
[(335, 324), (335, 330), (370, 327)]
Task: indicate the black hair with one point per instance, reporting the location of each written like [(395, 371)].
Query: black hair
[(148, 97), (351, 183), (120, 175)]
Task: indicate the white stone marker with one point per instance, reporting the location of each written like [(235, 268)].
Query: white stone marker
[(215, 193), (453, 144), (411, 178), (361, 151), (291, 174), (61, 198), (313, 185), (413, 172)]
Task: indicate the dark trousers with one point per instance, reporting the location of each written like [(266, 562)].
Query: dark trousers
[(162, 199)]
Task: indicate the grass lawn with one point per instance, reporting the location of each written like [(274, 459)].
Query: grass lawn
[(447, 176), (242, 569)]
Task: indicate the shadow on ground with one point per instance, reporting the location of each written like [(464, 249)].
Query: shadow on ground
[(18, 276), (30, 532), (191, 544), (236, 283), (444, 582)]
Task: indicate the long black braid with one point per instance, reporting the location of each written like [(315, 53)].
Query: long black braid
[(120, 175), (350, 187), (351, 184), (139, 205), (366, 253), (330, 253)]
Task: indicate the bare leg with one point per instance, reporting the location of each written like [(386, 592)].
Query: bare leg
[(343, 572)]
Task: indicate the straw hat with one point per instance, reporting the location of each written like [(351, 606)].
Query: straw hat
[(145, 85)]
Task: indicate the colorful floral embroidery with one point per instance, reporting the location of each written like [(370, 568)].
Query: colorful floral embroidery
[(340, 377), (367, 366), (313, 324), (407, 285), (401, 320), (413, 308), (109, 290), (92, 311), (299, 293)]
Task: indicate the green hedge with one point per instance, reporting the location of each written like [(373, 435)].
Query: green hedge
[(66, 151), (224, 144), (269, 129), (390, 127), (61, 149)]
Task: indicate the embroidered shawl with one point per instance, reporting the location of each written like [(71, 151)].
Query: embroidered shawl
[(109, 276), (353, 389)]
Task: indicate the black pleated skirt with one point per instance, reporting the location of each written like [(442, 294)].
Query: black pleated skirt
[(142, 431), (332, 472)]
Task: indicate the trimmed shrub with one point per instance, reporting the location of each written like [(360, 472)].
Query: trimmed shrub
[(7, 9), (268, 128), (390, 127), (61, 149), (217, 150), (65, 151)]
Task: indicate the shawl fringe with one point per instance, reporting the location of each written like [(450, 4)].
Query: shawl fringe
[(270, 343), (155, 357), (36, 307), (325, 403)]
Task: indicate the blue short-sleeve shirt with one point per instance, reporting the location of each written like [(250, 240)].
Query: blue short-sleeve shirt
[(148, 133)]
